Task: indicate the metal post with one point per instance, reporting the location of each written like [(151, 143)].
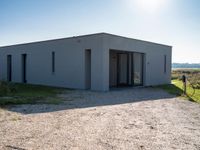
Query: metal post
[(184, 84)]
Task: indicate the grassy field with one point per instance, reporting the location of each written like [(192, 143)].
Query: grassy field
[(193, 84), (34, 94), (176, 88), (193, 76), (192, 94), (28, 94)]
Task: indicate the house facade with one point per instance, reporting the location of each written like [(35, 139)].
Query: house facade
[(97, 62)]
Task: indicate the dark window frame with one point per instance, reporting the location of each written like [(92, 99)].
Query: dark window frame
[(165, 63), (9, 68), (88, 69), (53, 62), (24, 68)]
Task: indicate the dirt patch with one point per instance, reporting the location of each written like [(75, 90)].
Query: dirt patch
[(123, 119)]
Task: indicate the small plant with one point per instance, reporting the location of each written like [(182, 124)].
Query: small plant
[(6, 88), (17, 93)]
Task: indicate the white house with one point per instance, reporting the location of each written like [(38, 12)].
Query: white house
[(97, 62)]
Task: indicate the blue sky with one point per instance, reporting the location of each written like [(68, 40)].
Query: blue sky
[(172, 22)]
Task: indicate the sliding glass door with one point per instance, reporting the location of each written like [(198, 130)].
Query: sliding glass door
[(122, 69), (137, 69), (126, 68)]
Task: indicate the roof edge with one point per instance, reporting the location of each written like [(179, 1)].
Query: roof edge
[(79, 36), (137, 39), (71, 37)]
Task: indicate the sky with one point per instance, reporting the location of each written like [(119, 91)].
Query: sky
[(172, 22)]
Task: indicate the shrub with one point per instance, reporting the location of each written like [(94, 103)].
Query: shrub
[(193, 76), (195, 81), (6, 88)]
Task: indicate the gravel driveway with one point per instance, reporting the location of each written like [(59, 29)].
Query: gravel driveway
[(145, 118)]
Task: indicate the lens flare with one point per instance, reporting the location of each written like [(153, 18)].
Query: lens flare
[(149, 6)]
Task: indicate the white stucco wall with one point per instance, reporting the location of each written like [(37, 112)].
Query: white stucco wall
[(70, 61), (153, 61)]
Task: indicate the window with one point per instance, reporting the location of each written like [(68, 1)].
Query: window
[(53, 62), (24, 57), (88, 69), (165, 63), (9, 67)]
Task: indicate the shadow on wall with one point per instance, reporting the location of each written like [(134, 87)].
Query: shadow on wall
[(86, 99)]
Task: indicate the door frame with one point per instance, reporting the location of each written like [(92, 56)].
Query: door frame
[(130, 68)]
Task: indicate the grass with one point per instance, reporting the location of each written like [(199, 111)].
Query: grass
[(193, 75), (31, 94), (176, 88)]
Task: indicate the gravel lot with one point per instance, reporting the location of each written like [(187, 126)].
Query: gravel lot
[(144, 118)]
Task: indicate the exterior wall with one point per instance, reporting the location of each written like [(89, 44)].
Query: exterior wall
[(70, 70), (69, 62), (153, 57)]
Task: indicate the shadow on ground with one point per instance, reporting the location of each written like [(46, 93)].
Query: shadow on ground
[(85, 99), (175, 90)]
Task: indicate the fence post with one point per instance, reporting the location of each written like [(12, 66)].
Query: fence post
[(184, 84)]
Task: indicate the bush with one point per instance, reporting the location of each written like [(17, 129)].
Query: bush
[(193, 76), (195, 81), (6, 88)]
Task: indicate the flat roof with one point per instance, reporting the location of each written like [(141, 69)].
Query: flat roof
[(79, 36)]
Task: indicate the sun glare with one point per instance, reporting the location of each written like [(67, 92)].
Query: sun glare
[(150, 6)]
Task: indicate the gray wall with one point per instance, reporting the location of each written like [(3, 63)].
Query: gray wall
[(70, 61), (154, 57)]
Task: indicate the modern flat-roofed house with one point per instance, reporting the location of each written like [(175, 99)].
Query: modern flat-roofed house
[(97, 62)]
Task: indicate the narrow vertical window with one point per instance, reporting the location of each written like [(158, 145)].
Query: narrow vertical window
[(165, 63), (53, 62), (88, 69), (9, 67), (24, 57)]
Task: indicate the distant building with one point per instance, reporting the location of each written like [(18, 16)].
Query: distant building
[(96, 62)]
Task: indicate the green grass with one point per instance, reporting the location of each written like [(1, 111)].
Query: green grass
[(176, 88), (193, 76), (31, 94)]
